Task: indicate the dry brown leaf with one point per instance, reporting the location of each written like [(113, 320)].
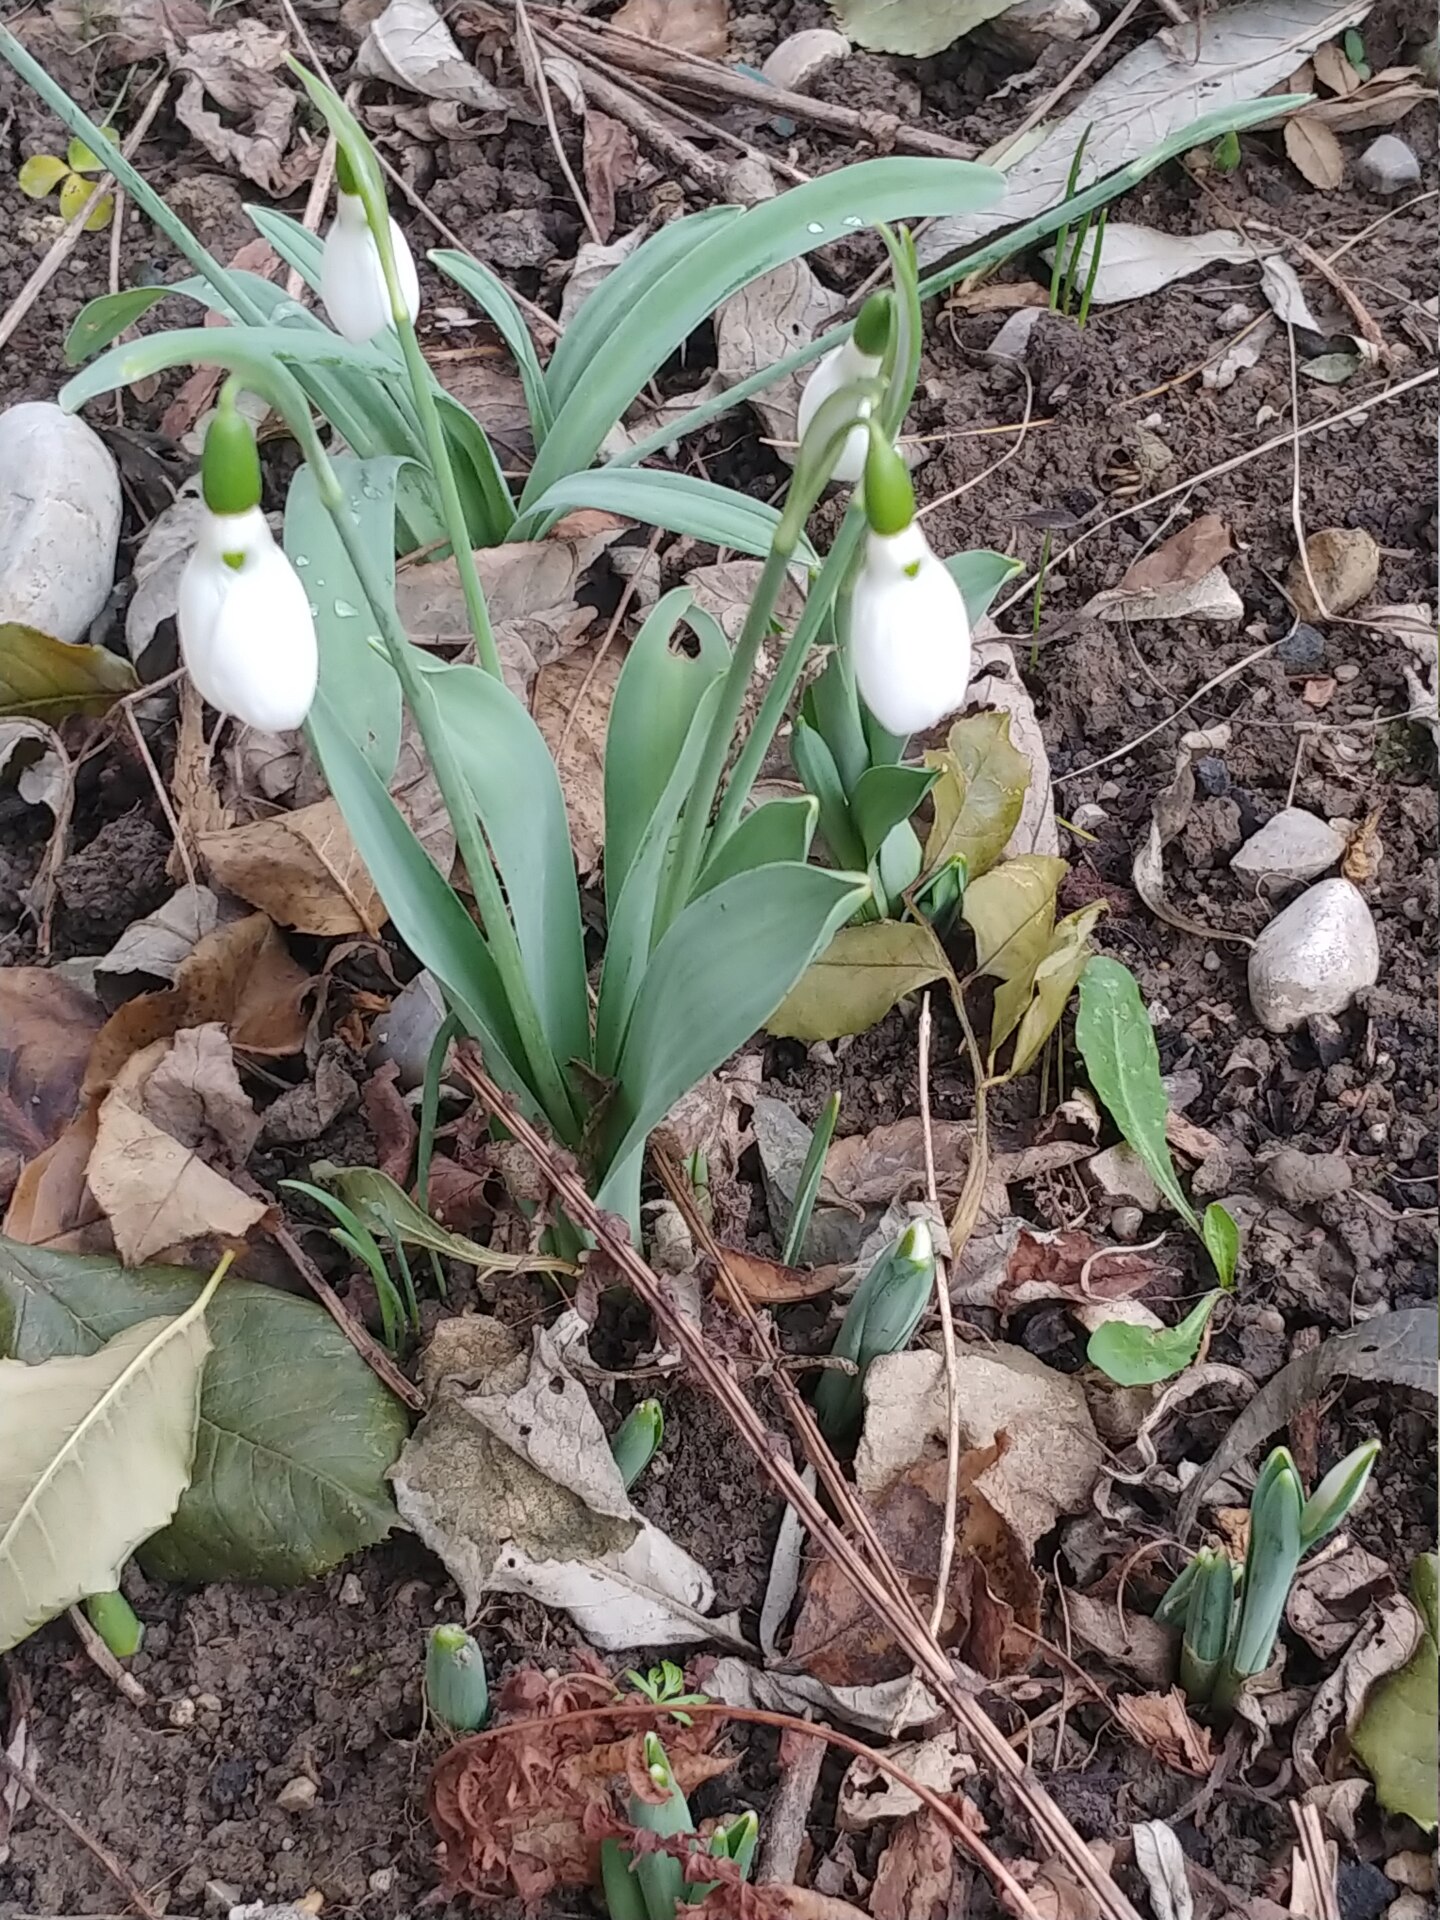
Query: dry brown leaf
[(240, 975), (1334, 71), (1315, 151), (1383, 99), (238, 68), (771, 1283), (301, 868), (888, 1163), (693, 26), (1183, 559), (1365, 851), (943, 1763), (193, 1093), (1136, 1644), (1161, 1725), (1000, 297), (992, 1607), (52, 1206), (157, 1193), (46, 1029), (583, 687), (912, 1881), (392, 1123), (1021, 1266), (612, 160), (1332, 1596)]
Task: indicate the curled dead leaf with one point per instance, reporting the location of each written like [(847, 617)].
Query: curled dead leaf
[(47, 1025), (1162, 1726)]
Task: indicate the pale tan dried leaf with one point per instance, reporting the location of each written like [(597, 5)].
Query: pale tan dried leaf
[(52, 1206), (1161, 1725), (237, 68), (1333, 70), (157, 1193), (612, 161), (571, 705), (301, 868), (1187, 556), (692, 26), (1314, 151), (1366, 850), (193, 1093)]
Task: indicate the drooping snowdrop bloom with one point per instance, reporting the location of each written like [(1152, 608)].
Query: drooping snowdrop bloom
[(909, 632), (246, 633), (352, 281), (858, 358)]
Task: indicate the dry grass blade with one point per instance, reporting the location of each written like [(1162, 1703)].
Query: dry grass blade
[(885, 1592), (43, 1797)]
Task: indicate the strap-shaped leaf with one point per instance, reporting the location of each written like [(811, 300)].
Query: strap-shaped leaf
[(654, 703), (832, 707), (495, 300), (724, 965), (361, 692), (884, 797), (778, 830), (296, 245), (428, 914), (816, 766), (98, 321), (622, 295), (95, 1453), (484, 490), (512, 779), (679, 502), (639, 342)]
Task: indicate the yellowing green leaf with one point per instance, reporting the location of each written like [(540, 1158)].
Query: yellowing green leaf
[(73, 195), (858, 979), (95, 1453), (83, 159), (41, 174), (979, 795), (1055, 980), (43, 679), (1396, 1736), (919, 27), (1011, 912)]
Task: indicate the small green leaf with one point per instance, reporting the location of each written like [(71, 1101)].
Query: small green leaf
[(97, 324), (1139, 1356), (1011, 912), (82, 160), (980, 574), (43, 679), (1225, 154), (858, 979), (73, 195), (980, 793), (382, 1206), (41, 174), (1354, 45), (1396, 1735), (1055, 980), (1117, 1042), (1222, 1242), (883, 797), (1332, 369)]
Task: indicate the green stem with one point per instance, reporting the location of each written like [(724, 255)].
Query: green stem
[(113, 1618)]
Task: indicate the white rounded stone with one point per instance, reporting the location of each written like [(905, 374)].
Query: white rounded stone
[(1293, 847), (1314, 957), (59, 520)]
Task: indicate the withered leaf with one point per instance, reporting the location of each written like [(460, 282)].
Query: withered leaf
[(1187, 556), (46, 1028), (1161, 1725)]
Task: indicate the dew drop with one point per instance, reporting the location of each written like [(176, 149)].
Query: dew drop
[(301, 560), (815, 227), (852, 220), (314, 610), (345, 611)]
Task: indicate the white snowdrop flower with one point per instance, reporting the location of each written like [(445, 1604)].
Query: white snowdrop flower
[(352, 281), (858, 358)]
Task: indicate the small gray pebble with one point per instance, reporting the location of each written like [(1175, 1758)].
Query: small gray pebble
[(1388, 165), (1126, 1222), (1302, 650), (1305, 1179), (1212, 776)]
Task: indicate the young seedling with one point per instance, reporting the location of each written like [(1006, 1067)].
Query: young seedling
[(807, 1187), (884, 1312), (114, 1619), (455, 1682), (42, 173), (1231, 1617), (637, 1440), (664, 1686)]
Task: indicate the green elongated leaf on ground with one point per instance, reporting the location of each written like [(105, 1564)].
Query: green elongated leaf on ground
[(361, 691), (764, 237), (95, 1452), (295, 1434), (98, 322), (1396, 1734), (1056, 978), (713, 980), (816, 766), (1139, 1356), (383, 1206), (979, 795), (1117, 1043), (980, 574), (917, 27), (860, 976), (497, 302), (679, 502), (208, 347), (43, 679), (1011, 912), (1222, 1242)]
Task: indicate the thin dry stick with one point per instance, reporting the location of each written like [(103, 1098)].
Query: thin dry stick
[(363, 1341), (886, 1594), (600, 652), (947, 1335), (55, 258), (1297, 517), (123, 1682), (160, 794), (46, 1799), (315, 204), (547, 107), (1314, 1855), (1218, 680), (995, 465), (1215, 473)]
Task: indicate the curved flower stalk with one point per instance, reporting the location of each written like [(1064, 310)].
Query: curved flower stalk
[(353, 286), (247, 636)]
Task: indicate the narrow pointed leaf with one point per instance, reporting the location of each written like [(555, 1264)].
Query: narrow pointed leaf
[(99, 321), (679, 502), (883, 797), (497, 303), (778, 830)]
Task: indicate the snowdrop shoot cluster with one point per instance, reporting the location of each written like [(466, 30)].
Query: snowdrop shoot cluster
[(352, 277), (909, 632), (858, 358), (246, 633)]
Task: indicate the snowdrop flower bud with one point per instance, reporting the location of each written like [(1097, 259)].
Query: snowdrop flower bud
[(858, 358), (909, 633), (352, 281), (246, 632)]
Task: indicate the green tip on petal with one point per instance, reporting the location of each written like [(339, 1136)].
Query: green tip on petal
[(889, 496), (873, 323), (344, 172), (230, 464)]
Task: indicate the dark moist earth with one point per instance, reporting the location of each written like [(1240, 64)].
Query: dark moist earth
[(250, 1691)]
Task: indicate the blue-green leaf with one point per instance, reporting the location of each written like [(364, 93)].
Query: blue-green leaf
[(816, 766), (688, 292), (98, 322), (210, 347), (778, 830), (484, 490), (724, 965), (980, 575), (679, 502), (883, 798), (494, 299), (650, 715), (361, 692), (296, 245), (1134, 1356)]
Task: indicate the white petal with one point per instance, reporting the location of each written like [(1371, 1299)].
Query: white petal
[(352, 281), (909, 634), (841, 366), (246, 633)]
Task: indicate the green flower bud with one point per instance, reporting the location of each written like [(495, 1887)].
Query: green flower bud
[(230, 464), (344, 172), (637, 1440), (873, 324), (455, 1683), (1337, 1494), (889, 496)]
